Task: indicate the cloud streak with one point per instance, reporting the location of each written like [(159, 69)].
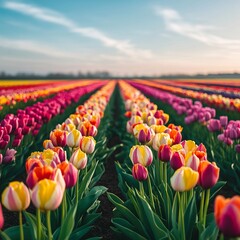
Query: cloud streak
[(53, 17), (35, 47), (174, 22)]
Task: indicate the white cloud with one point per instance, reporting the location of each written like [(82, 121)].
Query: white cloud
[(56, 18), (35, 47), (175, 23)]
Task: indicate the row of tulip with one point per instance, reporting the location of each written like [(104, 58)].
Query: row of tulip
[(222, 152), (159, 206), (13, 95), (225, 91), (25, 129), (228, 131), (61, 175), (219, 101)]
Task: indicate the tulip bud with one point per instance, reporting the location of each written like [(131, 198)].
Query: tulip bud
[(214, 125), (73, 138), (69, 172), (208, 174), (87, 129), (50, 157), (139, 172), (47, 195), (164, 153), (47, 144), (79, 159), (61, 153), (39, 173), (177, 160), (224, 121), (87, 144), (176, 136), (184, 179), (161, 139), (16, 197), (58, 138), (9, 155), (141, 154), (227, 212), (31, 163)]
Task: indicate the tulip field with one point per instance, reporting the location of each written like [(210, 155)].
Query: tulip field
[(120, 159)]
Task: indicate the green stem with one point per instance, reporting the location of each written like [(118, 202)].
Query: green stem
[(182, 209), (21, 226), (201, 207), (221, 237), (38, 213), (63, 206), (141, 188), (150, 192), (161, 171), (206, 206), (77, 187), (165, 172), (49, 225)]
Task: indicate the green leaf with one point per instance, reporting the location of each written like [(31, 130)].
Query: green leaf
[(190, 217), (79, 233), (32, 222), (127, 214), (14, 233), (68, 223), (126, 228), (4, 236), (216, 188)]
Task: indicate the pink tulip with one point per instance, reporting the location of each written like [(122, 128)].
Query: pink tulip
[(139, 172)]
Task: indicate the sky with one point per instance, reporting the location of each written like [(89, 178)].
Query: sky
[(124, 37)]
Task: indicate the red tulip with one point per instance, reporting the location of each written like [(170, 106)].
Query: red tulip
[(139, 172), (227, 215), (208, 174)]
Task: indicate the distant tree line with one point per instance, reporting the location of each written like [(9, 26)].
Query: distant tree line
[(107, 75)]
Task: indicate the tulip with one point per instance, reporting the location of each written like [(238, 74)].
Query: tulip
[(1, 217), (141, 154), (224, 121), (227, 212), (39, 173), (164, 153), (87, 129), (79, 159), (9, 156), (237, 147), (31, 163), (158, 128), (177, 160), (161, 139), (208, 174), (58, 138), (47, 144), (189, 145), (184, 179), (87, 144), (50, 157), (61, 153), (69, 172), (73, 138), (176, 136), (139, 172), (143, 133), (47, 195), (192, 161), (16, 196), (214, 125)]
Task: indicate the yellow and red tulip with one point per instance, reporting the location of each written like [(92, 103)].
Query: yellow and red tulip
[(184, 179), (139, 172), (16, 196), (79, 159), (141, 154), (87, 144)]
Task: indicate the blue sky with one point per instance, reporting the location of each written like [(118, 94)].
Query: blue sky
[(123, 37)]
